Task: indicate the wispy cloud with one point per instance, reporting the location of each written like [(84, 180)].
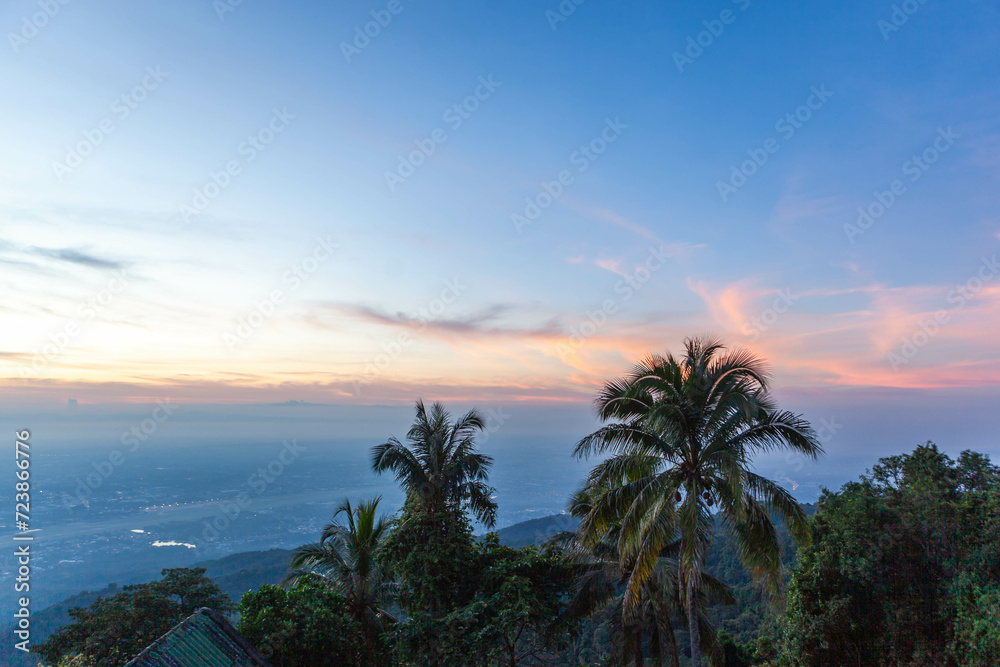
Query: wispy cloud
[(11, 253), (792, 208), (675, 248), (823, 340), (77, 256), (610, 264), (488, 321)]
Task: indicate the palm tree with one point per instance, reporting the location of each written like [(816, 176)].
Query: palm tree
[(681, 436), (344, 559), (598, 588), (441, 466), (602, 576)]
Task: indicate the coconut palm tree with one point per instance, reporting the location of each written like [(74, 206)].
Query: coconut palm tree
[(680, 436), (603, 575), (344, 559), (440, 466)]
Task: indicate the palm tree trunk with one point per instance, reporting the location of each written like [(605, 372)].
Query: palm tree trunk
[(692, 617), (675, 660), (638, 647)]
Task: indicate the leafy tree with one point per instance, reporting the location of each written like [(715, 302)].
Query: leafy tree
[(447, 640), (307, 625), (977, 620), (520, 602), (903, 567), (441, 467), (513, 617), (433, 559), (431, 551), (438, 567), (113, 630), (442, 474), (345, 559), (682, 434), (729, 653)]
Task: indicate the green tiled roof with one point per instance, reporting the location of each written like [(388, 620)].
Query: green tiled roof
[(203, 639)]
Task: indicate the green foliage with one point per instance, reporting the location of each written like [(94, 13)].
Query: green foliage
[(514, 616), (442, 641), (680, 438), (113, 630), (522, 594), (238, 573), (647, 628), (77, 660), (730, 654), (755, 613), (461, 598), (903, 567), (345, 560), (308, 625), (440, 467), (977, 620), (433, 559)]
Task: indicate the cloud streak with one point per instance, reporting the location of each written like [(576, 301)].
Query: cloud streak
[(487, 322), (77, 256), (68, 255)]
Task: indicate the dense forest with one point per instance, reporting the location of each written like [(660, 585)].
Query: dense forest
[(677, 553)]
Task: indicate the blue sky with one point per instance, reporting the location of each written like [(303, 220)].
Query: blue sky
[(431, 289)]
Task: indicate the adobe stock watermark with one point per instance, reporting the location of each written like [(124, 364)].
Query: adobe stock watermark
[(786, 126), (455, 116), (133, 439), (826, 432), (915, 167), (31, 25), (121, 109), (223, 7), (562, 12), (248, 150), (781, 305), (625, 288), (263, 309), (899, 17), (696, 44), (363, 35), (258, 482), (393, 349), (493, 421), (88, 311), (581, 158), (930, 328)]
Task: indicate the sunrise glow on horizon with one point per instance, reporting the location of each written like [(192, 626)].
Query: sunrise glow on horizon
[(271, 222)]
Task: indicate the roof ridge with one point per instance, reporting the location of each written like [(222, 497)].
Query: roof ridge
[(217, 619)]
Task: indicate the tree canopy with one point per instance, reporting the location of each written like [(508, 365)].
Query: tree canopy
[(113, 630)]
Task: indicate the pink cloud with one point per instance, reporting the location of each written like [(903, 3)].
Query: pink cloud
[(813, 343)]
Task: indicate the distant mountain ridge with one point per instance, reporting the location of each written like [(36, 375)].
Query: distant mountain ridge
[(536, 531), (247, 571)]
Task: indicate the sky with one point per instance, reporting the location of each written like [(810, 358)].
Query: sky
[(502, 203)]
